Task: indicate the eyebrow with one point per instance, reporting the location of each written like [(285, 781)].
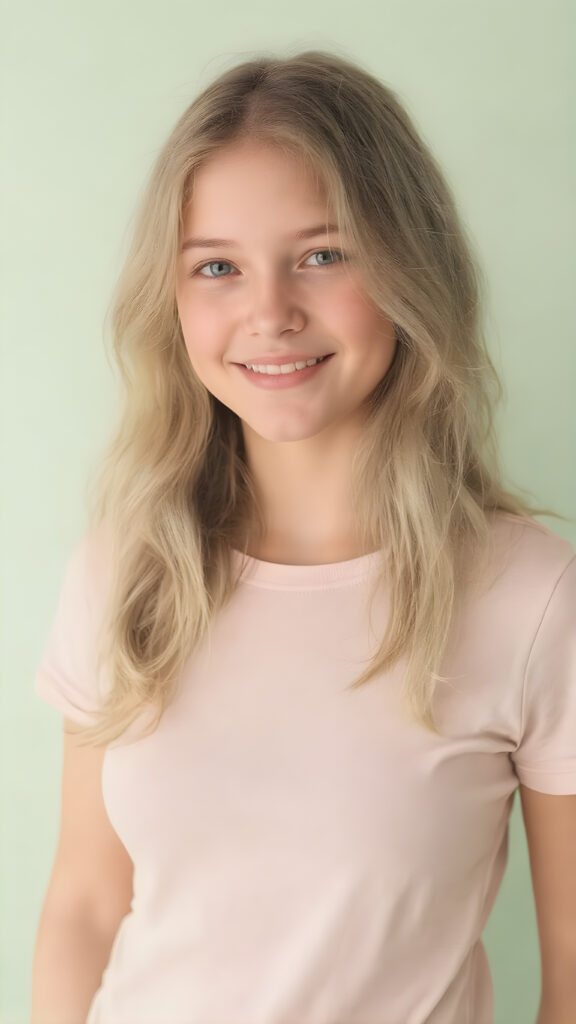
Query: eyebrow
[(209, 243)]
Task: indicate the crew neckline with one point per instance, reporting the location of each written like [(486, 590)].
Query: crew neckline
[(281, 576)]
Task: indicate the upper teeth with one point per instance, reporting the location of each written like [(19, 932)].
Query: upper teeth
[(285, 367)]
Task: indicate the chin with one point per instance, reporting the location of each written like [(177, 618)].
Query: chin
[(281, 435)]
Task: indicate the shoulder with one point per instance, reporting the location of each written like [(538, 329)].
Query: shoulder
[(528, 576), (92, 559), (527, 557), (87, 580)]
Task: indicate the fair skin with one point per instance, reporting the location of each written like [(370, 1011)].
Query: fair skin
[(89, 893), (270, 294), (550, 823)]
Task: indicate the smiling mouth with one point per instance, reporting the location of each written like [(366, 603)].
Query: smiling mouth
[(274, 369)]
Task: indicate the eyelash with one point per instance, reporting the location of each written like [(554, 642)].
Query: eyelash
[(209, 263)]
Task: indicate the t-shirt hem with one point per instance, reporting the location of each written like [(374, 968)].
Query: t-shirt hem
[(560, 782), (56, 699)]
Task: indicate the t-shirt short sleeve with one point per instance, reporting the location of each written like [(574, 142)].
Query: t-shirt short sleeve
[(545, 758), (68, 676)]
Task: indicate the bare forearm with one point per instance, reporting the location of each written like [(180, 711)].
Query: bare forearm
[(557, 1011), (546, 1016), (69, 959)]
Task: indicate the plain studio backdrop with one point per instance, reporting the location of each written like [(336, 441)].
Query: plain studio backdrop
[(91, 93)]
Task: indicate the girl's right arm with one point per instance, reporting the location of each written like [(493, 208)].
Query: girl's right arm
[(89, 892)]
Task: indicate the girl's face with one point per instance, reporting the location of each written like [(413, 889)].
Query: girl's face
[(262, 280)]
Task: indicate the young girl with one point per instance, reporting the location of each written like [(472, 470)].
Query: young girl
[(309, 647)]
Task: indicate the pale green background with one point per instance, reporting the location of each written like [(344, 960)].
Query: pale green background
[(92, 90)]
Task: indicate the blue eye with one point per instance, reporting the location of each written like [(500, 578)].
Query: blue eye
[(323, 252), (214, 263)]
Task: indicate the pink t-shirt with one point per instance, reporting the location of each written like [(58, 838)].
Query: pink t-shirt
[(303, 853)]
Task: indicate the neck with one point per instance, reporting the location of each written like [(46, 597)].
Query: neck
[(305, 491)]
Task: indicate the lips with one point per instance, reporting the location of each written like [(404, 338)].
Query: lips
[(276, 381)]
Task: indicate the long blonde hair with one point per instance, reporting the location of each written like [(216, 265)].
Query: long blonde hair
[(174, 493)]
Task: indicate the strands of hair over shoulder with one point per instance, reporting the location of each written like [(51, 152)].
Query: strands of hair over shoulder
[(174, 492)]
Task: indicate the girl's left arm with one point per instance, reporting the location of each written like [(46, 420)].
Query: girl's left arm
[(550, 823)]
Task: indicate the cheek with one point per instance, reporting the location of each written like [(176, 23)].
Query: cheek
[(201, 328), (363, 322), (348, 306)]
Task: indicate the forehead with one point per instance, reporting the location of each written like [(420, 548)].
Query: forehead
[(253, 175)]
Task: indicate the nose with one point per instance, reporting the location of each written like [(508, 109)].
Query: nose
[(274, 307)]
